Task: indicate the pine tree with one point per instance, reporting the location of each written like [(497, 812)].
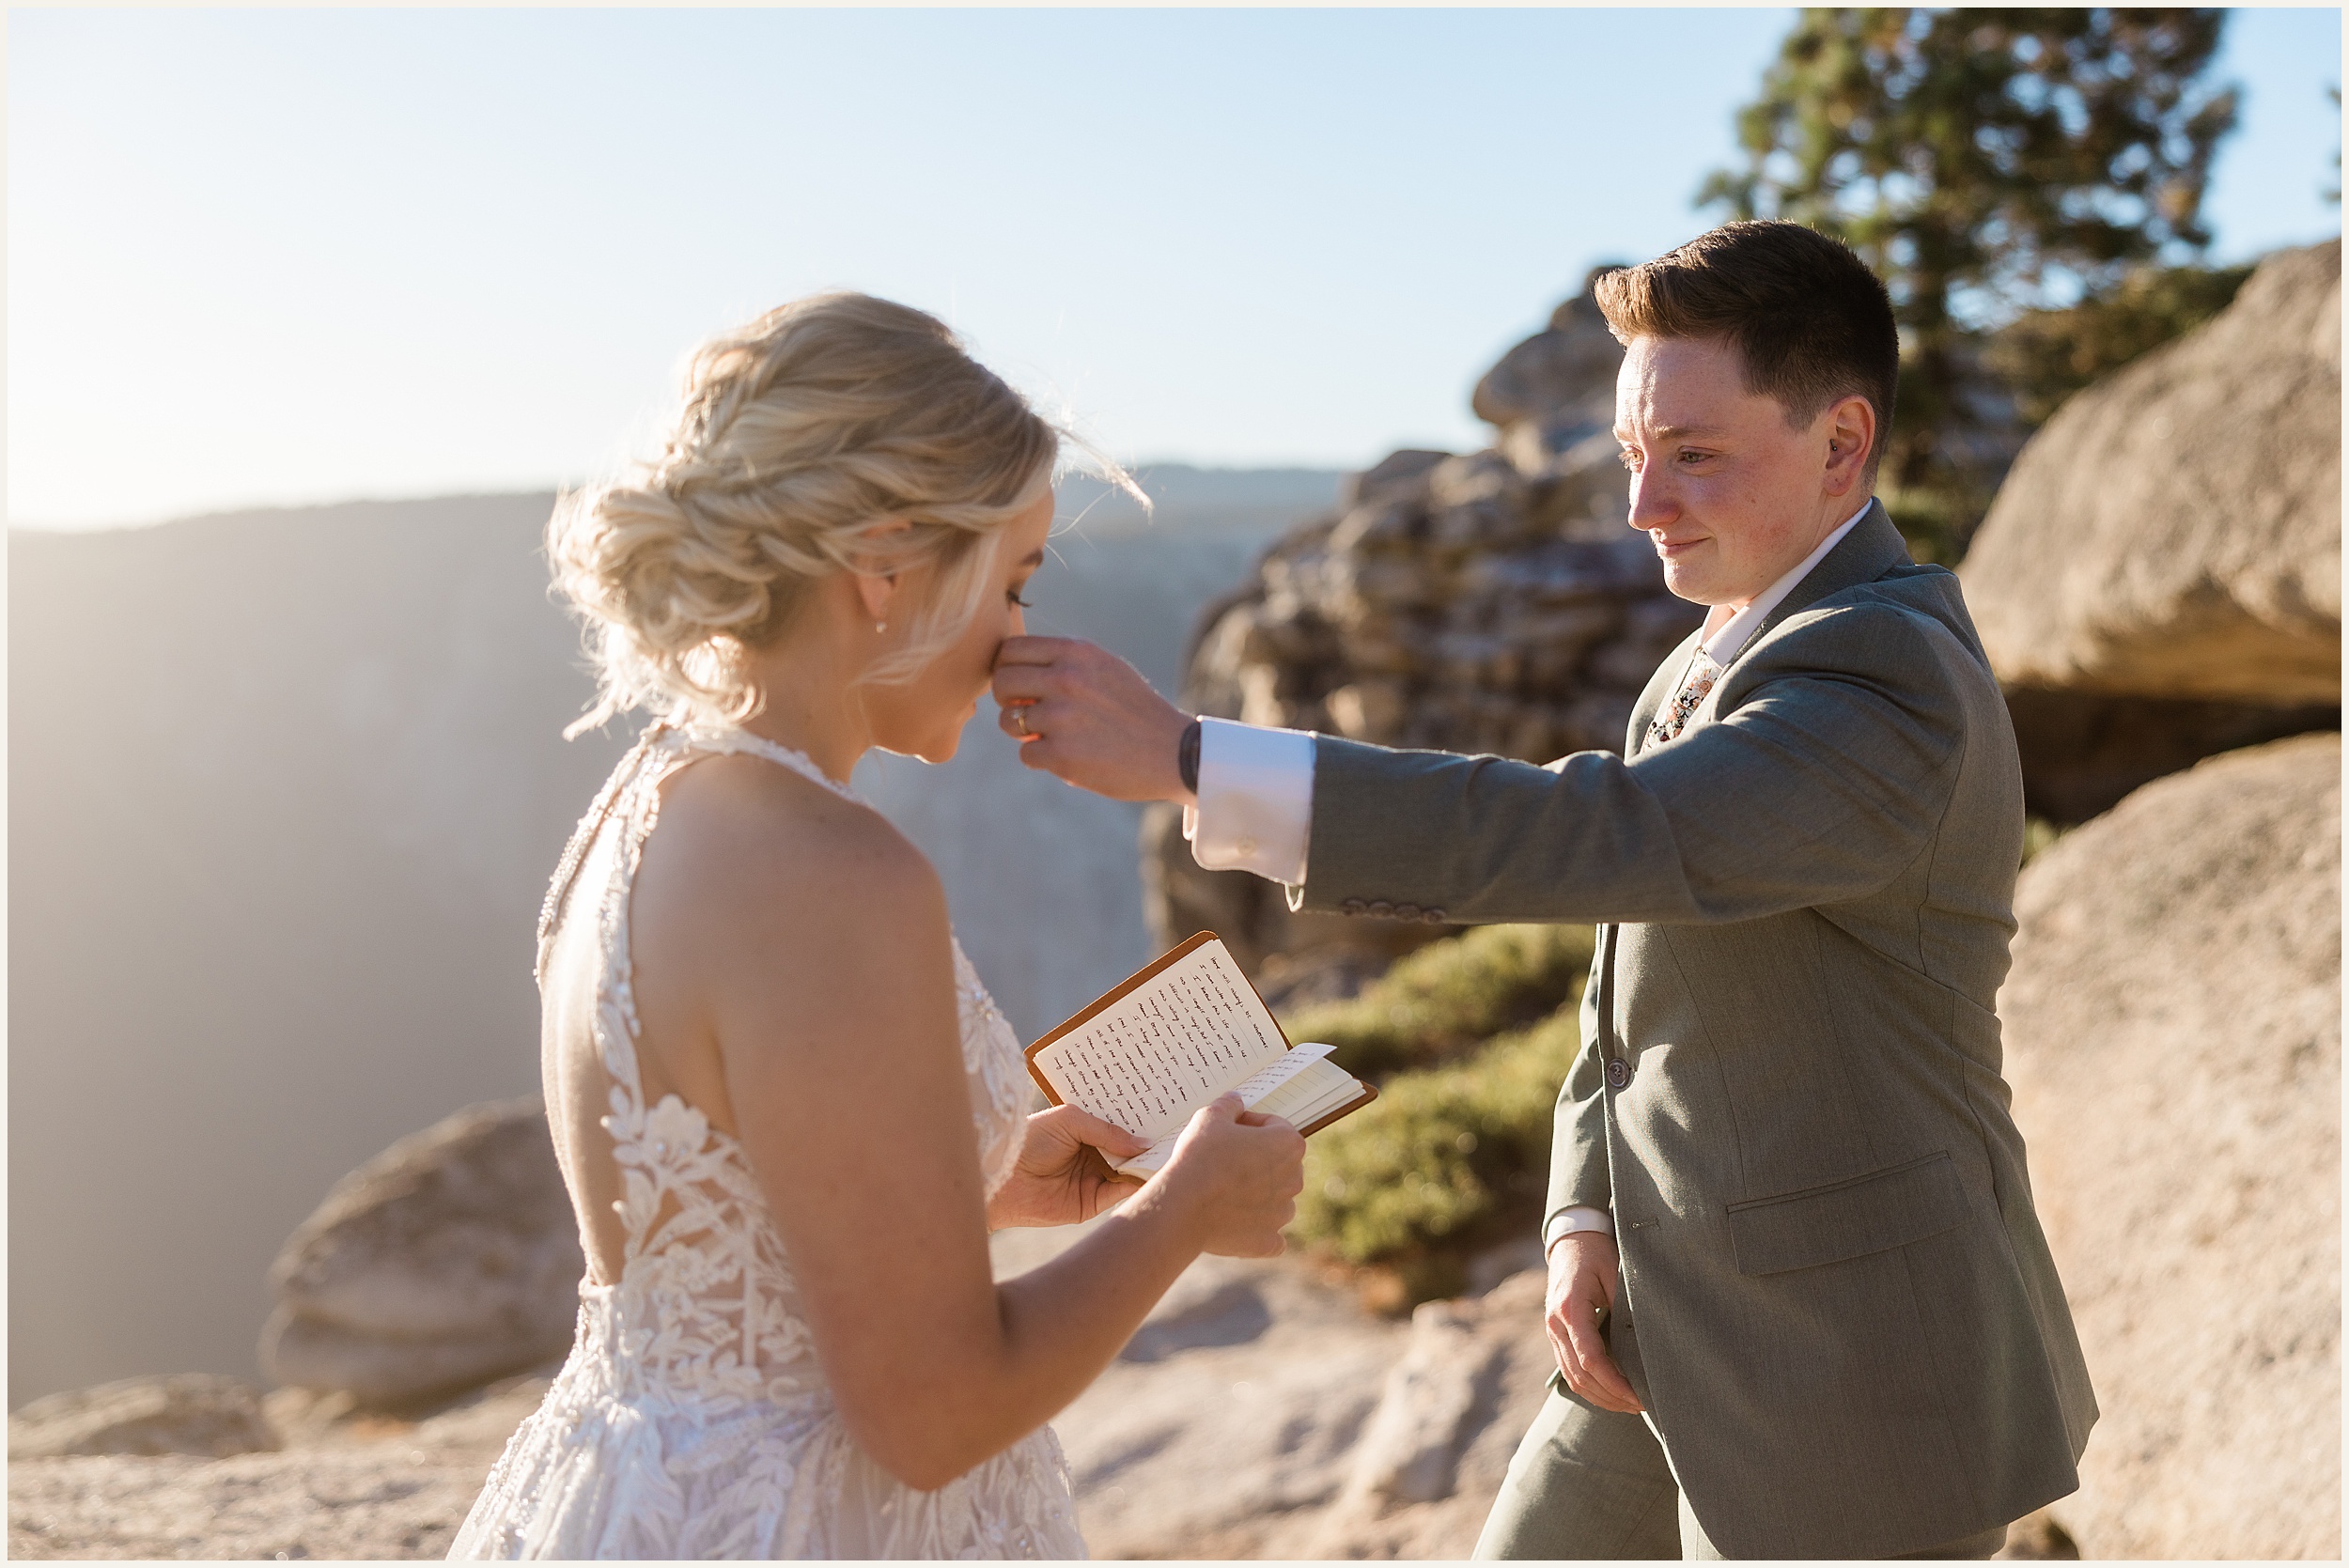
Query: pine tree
[(1985, 163)]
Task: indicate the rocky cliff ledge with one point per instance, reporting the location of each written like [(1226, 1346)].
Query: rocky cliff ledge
[(1260, 1411)]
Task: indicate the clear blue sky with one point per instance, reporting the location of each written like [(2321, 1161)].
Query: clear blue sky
[(286, 255)]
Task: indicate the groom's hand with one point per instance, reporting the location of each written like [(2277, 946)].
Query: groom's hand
[(1085, 715), (1582, 1282)]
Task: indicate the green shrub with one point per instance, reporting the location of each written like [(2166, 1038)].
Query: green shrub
[(1448, 995), (1442, 1154)]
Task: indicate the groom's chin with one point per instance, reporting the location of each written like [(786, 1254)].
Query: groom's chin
[(1687, 582)]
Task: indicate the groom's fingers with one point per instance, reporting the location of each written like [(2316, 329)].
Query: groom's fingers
[(1021, 721), (1086, 715), (1028, 669), (1595, 1374), (1041, 754), (1590, 1371), (1025, 683), (1031, 650)]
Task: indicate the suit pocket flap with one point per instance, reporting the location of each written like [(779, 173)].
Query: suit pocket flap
[(1847, 1219)]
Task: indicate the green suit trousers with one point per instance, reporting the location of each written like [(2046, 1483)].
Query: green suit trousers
[(1591, 1483)]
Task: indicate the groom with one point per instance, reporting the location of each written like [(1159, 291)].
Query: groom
[(1800, 1300)]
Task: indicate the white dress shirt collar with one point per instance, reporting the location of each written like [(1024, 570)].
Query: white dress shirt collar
[(1722, 642)]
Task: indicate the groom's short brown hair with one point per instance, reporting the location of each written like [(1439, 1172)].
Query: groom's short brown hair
[(1811, 323)]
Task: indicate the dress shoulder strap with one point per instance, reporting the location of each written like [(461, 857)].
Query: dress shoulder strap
[(730, 739), (584, 837)]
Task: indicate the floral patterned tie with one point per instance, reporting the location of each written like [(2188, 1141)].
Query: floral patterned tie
[(1694, 688)]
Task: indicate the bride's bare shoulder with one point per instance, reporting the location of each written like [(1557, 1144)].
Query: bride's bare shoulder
[(746, 843)]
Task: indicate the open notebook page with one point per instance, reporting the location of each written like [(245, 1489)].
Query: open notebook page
[(1321, 1088), (1300, 1081), (1175, 1042)]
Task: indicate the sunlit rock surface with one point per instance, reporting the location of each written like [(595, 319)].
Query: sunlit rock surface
[(2173, 1037)]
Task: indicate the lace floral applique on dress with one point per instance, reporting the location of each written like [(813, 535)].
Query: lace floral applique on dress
[(692, 1418)]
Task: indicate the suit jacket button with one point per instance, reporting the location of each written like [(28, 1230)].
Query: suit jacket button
[(1618, 1072), (1406, 911), (1352, 907), (1380, 907), (1432, 917)]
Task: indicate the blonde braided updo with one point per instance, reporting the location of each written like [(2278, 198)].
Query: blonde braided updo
[(801, 432)]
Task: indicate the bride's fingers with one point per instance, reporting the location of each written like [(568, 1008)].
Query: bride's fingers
[(1091, 1130)]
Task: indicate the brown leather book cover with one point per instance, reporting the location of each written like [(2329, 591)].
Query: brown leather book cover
[(1141, 977)]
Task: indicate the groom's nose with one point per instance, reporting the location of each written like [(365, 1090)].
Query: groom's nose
[(1653, 503)]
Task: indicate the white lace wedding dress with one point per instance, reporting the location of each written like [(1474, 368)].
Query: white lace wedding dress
[(692, 1418)]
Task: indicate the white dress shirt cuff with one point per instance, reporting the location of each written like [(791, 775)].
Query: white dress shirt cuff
[(1255, 809), (1568, 1220)]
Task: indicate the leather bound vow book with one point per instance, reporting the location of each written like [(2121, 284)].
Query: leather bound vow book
[(1176, 1035)]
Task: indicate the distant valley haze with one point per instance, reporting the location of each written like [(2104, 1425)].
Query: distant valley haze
[(285, 790)]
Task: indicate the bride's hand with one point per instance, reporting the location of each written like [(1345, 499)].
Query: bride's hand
[(1062, 1178)]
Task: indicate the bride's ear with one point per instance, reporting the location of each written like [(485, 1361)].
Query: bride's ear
[(877, 593), (876, 578)]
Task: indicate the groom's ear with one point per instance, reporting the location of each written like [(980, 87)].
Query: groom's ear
[(1851, 433)]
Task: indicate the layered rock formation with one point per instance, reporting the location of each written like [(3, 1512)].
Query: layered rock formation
[(2159, 578), (2173, 1037), (449, 1260), (189, 1412), (1487, 601), (1490, 601)]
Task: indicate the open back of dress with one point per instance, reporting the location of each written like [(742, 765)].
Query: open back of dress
[(692, 1418)]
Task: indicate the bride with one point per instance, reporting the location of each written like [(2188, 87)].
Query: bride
[(788, 1112)]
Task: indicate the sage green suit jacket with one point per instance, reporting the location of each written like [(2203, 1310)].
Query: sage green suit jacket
[(1844, 1319)]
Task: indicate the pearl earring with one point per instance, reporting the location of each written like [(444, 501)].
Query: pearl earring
[(880, 625)]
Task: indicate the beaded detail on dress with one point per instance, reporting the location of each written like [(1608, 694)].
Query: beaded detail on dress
[(692, 1418)]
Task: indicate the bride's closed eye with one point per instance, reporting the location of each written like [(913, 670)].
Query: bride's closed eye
[(1023, 603)]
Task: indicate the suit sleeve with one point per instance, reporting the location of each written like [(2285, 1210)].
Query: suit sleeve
[(1836, 752)]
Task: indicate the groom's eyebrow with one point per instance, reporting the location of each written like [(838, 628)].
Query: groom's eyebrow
[(1668, 431)]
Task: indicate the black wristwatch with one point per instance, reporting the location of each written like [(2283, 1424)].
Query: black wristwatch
[(1187, 756)]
